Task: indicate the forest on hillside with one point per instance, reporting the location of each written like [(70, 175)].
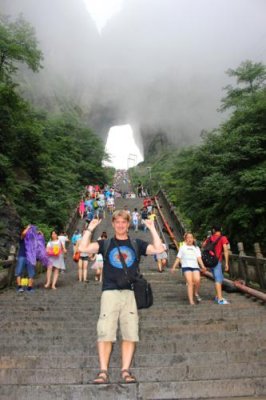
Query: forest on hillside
[(45, 159), (222, 180)]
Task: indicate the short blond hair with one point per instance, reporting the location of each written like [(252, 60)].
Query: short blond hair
[(121, 213)]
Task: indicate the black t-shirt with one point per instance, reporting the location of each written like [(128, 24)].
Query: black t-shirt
[(112, 266)]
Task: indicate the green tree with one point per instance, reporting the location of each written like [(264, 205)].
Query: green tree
[(223, 180), (226, 174), (18, 44), (44, 160), (250, 79)]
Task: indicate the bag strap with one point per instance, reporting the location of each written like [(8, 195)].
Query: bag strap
[(215, 242), (122, 260), (121, 257)]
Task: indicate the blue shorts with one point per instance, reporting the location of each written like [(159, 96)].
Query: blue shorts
[(218, 273), (21, 264)]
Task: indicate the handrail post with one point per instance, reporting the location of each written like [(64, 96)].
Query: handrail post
[(257, 250), (241, 262), (241, 250), (11, 269), (231, 269), (259, 266)]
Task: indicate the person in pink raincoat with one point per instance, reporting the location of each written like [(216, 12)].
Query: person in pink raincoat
[(81, 208)]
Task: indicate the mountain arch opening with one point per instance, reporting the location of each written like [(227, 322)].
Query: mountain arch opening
[(123, 150)]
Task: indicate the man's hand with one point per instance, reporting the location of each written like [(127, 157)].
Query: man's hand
[(226, 268), (95, 222)]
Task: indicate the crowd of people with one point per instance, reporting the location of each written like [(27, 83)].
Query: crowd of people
[(94, 205)]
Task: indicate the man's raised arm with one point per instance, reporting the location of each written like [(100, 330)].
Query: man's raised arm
[(85, 244), (156, 247)]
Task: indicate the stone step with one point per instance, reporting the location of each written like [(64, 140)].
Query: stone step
[(38, 302), (181, 325), (214, 371), (75, 289), (181, 390), (176, 308), (86, 318), (179, 316), (166, 329), (163, 294), (140, 360), (200, 389), (191, 343)]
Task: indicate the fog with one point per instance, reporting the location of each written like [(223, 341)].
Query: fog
[(158, 65)]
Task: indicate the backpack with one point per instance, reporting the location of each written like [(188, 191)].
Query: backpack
[(209, 258), (133, 242)]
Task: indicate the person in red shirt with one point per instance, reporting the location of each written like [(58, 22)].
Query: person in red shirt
[(221, 249), (146, 202)]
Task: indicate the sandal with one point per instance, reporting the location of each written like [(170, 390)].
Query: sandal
[(127, 376), (101, 378)]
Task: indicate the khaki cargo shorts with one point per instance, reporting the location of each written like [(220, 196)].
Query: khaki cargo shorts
[(118, 306)]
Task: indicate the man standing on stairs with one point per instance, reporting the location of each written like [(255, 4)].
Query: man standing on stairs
[(221, 248), (118, 301)]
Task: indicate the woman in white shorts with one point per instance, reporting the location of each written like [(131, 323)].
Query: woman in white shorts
[(189, 256)]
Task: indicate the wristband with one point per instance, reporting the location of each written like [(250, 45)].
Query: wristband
[(89, 230)]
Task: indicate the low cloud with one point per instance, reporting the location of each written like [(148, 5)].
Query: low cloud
[(158, 64)]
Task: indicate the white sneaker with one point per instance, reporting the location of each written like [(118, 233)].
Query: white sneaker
[(223, 301), (198, 298)]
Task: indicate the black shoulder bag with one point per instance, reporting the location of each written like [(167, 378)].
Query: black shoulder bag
[(141, 287)]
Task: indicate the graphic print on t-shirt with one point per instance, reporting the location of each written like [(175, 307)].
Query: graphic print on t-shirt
[(127, 253)]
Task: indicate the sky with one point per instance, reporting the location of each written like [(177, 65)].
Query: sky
[(102, 10), (157, 65)]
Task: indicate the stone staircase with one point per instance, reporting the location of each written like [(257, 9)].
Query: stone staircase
[(48, 341)]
